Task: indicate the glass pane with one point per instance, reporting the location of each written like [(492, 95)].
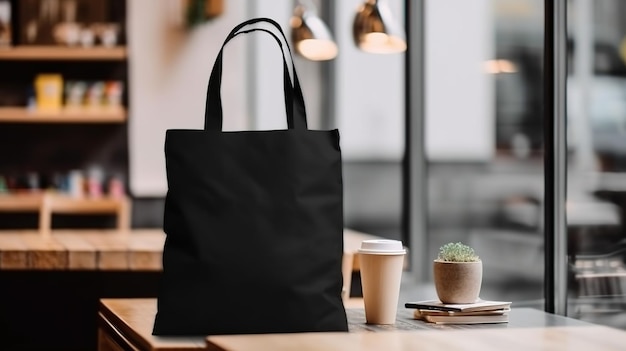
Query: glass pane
[(484, 138), (597, 162)]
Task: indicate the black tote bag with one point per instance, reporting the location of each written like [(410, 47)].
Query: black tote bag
[(254, 223)]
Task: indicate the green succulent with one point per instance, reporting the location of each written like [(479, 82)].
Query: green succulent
[(457, 252)]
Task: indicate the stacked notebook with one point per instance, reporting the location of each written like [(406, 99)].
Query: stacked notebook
[(482, 311)]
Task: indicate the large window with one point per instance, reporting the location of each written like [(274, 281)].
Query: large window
[(483, 136)]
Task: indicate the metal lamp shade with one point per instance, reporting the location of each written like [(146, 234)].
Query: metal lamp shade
[(376, 31), (311, 37)]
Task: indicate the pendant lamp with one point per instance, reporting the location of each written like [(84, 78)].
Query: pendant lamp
[(376, 31), (310, 36)]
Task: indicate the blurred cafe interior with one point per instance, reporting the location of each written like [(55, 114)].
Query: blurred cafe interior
[(89, 87)]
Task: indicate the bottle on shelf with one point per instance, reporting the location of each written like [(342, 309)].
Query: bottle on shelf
[(95, 177), (4, 187), (49, 92), (116, 187), (5, 23), (76, 182)]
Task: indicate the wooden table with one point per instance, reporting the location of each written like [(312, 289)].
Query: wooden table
[(512, 339), (126, 324)]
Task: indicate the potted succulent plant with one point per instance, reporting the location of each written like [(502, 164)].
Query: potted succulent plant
[(458, 274)]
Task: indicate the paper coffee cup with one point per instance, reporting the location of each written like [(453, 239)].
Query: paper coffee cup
[(381, 262)]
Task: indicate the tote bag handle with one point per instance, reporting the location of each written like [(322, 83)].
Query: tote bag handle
[(299, 105), (235, 31), (295, 109)]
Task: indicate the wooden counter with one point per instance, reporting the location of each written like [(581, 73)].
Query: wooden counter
[(82, 250), (52, 284), (139, 250)]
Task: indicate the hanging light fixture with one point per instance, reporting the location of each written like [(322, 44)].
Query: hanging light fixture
[(376, 31), (310, 35)]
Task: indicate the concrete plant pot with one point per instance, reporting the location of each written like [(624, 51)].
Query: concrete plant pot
[(458, 282)]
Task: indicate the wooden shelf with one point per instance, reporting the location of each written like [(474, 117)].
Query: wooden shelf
[(47, 203), (62, 53), (24, 115), (58, 203), (20, 203)]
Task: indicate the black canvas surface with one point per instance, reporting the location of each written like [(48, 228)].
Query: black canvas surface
[(254, 223)]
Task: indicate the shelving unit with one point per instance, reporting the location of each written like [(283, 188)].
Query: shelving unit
[(24, 115), (39, 142), (47, 204), (48, 53)]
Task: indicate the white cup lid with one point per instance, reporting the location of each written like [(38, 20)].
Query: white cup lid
[(382, 247)]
